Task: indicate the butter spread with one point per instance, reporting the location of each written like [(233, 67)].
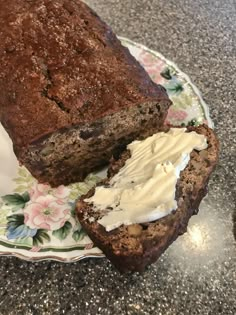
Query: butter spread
[(144, 189)]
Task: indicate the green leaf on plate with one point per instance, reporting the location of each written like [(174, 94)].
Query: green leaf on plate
[(19, 180), (63, 232), (73, 208), (20, 189), (23, 179), (26, 196), (193, 122), (16, 219), (40, 237), (92, 179), (25, 241), (182, 101), (16, 208), (78, 235), (73, 194), (14, 199), (175, 87), (2, 231), (22, 171), (81, 188), (3, 216), (17, 201), (166, 74)]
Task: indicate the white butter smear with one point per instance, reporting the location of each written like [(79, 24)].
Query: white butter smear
[(144, 189)]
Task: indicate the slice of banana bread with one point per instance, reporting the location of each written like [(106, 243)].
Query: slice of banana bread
[(133, 247), (71, 94)]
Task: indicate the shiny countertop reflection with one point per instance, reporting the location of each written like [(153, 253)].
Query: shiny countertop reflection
[(197, 274), (206, 239)]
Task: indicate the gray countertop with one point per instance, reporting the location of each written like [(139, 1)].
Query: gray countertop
[(198, 35)]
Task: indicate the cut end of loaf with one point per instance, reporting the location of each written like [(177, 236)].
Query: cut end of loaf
[(69, 155)]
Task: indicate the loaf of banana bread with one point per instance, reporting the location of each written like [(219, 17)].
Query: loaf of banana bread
[(71, 95)]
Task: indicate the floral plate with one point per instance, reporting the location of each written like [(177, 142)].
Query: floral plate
[(38, 222)]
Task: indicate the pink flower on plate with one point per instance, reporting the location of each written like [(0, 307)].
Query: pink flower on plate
[(155, 74), (46, 213), (146, 58), (175, 116), (38, 190), (153, 65), (61, 192)]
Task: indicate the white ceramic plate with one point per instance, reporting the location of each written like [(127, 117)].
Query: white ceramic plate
[(38, 222)]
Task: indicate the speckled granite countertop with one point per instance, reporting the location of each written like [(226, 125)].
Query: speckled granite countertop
[(188, 279)]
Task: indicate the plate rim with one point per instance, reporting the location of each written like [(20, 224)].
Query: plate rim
[(204, 105)]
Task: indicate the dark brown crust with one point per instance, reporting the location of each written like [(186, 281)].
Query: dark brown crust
[(156, 236), (62, 66)]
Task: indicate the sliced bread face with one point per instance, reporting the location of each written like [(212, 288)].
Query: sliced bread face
[(133, 247)]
